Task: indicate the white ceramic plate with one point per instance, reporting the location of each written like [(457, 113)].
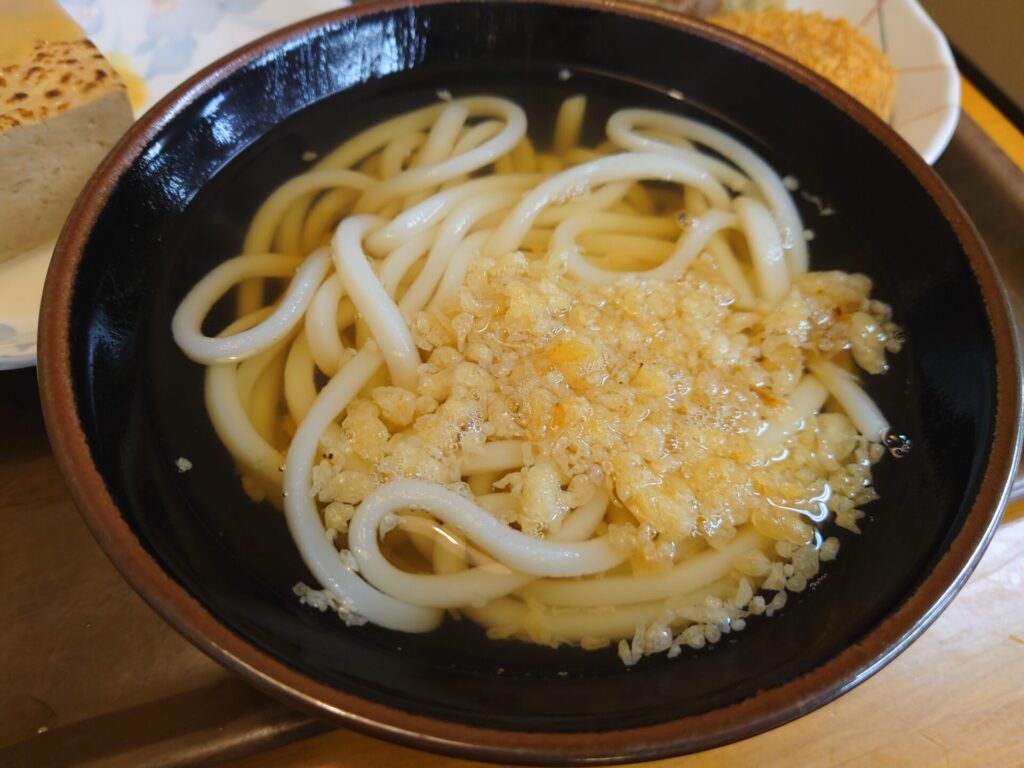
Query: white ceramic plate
[(165, 41)]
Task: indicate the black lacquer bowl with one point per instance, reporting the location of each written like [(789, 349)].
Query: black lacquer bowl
[(122, 403)]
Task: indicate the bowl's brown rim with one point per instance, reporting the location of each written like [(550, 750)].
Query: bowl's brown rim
[(765, 710)]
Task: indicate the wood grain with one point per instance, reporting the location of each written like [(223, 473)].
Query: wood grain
[(954, 698)]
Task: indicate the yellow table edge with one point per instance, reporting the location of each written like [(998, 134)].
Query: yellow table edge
[(1004, 133)]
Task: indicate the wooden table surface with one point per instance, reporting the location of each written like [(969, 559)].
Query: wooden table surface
[(954, 698)]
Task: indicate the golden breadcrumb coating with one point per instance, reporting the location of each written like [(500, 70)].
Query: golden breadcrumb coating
[(831, 47)]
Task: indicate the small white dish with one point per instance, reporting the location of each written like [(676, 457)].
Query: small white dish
[(165, 41)]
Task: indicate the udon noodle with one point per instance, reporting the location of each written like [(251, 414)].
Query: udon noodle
[(576, 394)]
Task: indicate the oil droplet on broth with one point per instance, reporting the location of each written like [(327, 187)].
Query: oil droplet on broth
[(899, 445)]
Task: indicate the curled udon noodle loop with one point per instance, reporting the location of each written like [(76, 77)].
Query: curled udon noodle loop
[(686, 577), (720, 250), (447, 239), (443, 134), (434, 174), (687, 247), (260, 237), (603, 198), (395, 154), (226, 401), (278, 223), (299, 379), (582, 179), (473, 137), (377, 308), (474, 585), (355, 597), (467, 250), (766, 249), (401, 127), (186, 325), (803, 402), (507, 617), (429, 212), (518, 551), (378, 136), (624, 129), (328, 315), (321, 325), (843, 386)]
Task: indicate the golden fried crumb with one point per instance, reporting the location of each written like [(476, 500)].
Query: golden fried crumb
[(831, 47)]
